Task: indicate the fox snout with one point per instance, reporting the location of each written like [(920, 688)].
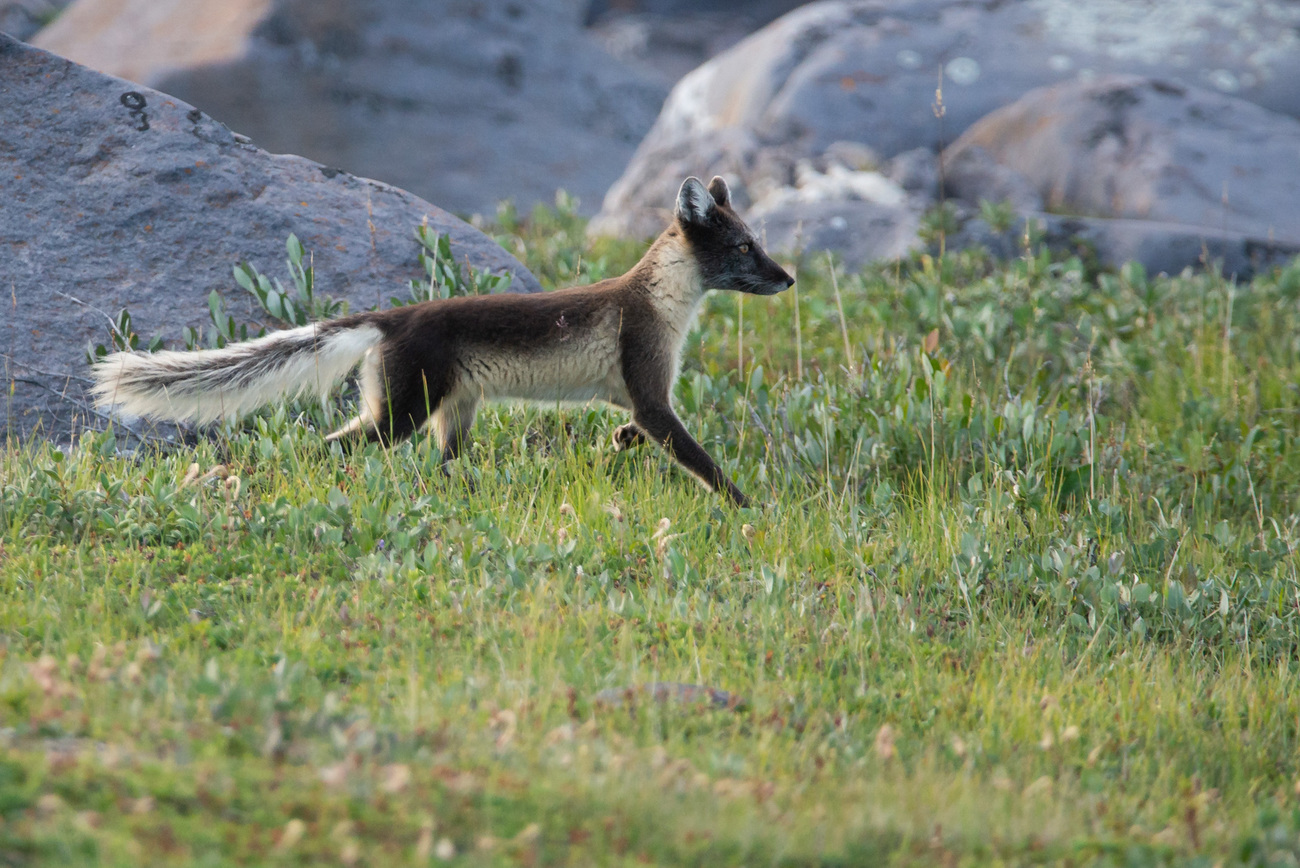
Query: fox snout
[(778, 279)]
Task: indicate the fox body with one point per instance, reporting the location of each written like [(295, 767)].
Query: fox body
[(618, 341)]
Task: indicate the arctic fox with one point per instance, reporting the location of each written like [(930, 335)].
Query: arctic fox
[(619, 341)]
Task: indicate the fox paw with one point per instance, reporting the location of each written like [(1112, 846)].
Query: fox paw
[(627, 436)]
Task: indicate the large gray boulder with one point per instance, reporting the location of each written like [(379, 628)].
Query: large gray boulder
[(462, 103), (114, 195), (1140, 169), (1131, 147), (866, 71)]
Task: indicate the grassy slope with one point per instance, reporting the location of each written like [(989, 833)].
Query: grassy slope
[(1029, 597)]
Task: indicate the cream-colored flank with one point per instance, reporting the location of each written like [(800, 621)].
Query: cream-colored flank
[(579, 366), (587, 366)]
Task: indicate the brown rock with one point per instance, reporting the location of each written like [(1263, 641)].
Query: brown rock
[(141, 41), (1139, 148)]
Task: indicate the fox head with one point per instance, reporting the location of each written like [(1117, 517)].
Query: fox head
[(729, 255)]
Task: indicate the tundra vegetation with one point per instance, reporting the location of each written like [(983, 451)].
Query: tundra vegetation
[(1024, 590)]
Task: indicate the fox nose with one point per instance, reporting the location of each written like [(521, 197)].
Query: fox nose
[(789, 281)]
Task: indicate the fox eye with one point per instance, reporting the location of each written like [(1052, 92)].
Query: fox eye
[(744, 248)]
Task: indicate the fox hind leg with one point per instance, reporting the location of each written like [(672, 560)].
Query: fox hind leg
[(452, 422), (398, 398), (373, 400), (408, 403), (352, 427)]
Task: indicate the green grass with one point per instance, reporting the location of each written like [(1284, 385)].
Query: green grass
[(1024, 590)]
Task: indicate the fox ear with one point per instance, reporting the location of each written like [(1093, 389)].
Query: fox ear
[(718, 190), (694, 204)]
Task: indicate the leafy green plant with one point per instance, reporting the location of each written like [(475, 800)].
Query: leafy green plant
[(998, 215), (122, 338), (938, 223), (288, 308), (224, 328), (445, 277), (300, 308)]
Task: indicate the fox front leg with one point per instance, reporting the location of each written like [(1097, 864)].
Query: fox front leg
[(661, 423)]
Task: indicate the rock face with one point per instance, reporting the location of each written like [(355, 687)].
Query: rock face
[(113, 195), (865, 72), (1136, 169), (859, 213), (463, 102), (1138, 148)]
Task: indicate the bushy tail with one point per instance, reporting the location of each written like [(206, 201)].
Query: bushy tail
[(204, 385)]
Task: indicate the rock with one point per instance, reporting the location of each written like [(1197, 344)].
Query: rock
[(113, 195), (866, 71), (916, 171), (862, 215), (142, 42), (462, 102), (1137, 148), (796, 204), (857, 232), (973, 174)]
